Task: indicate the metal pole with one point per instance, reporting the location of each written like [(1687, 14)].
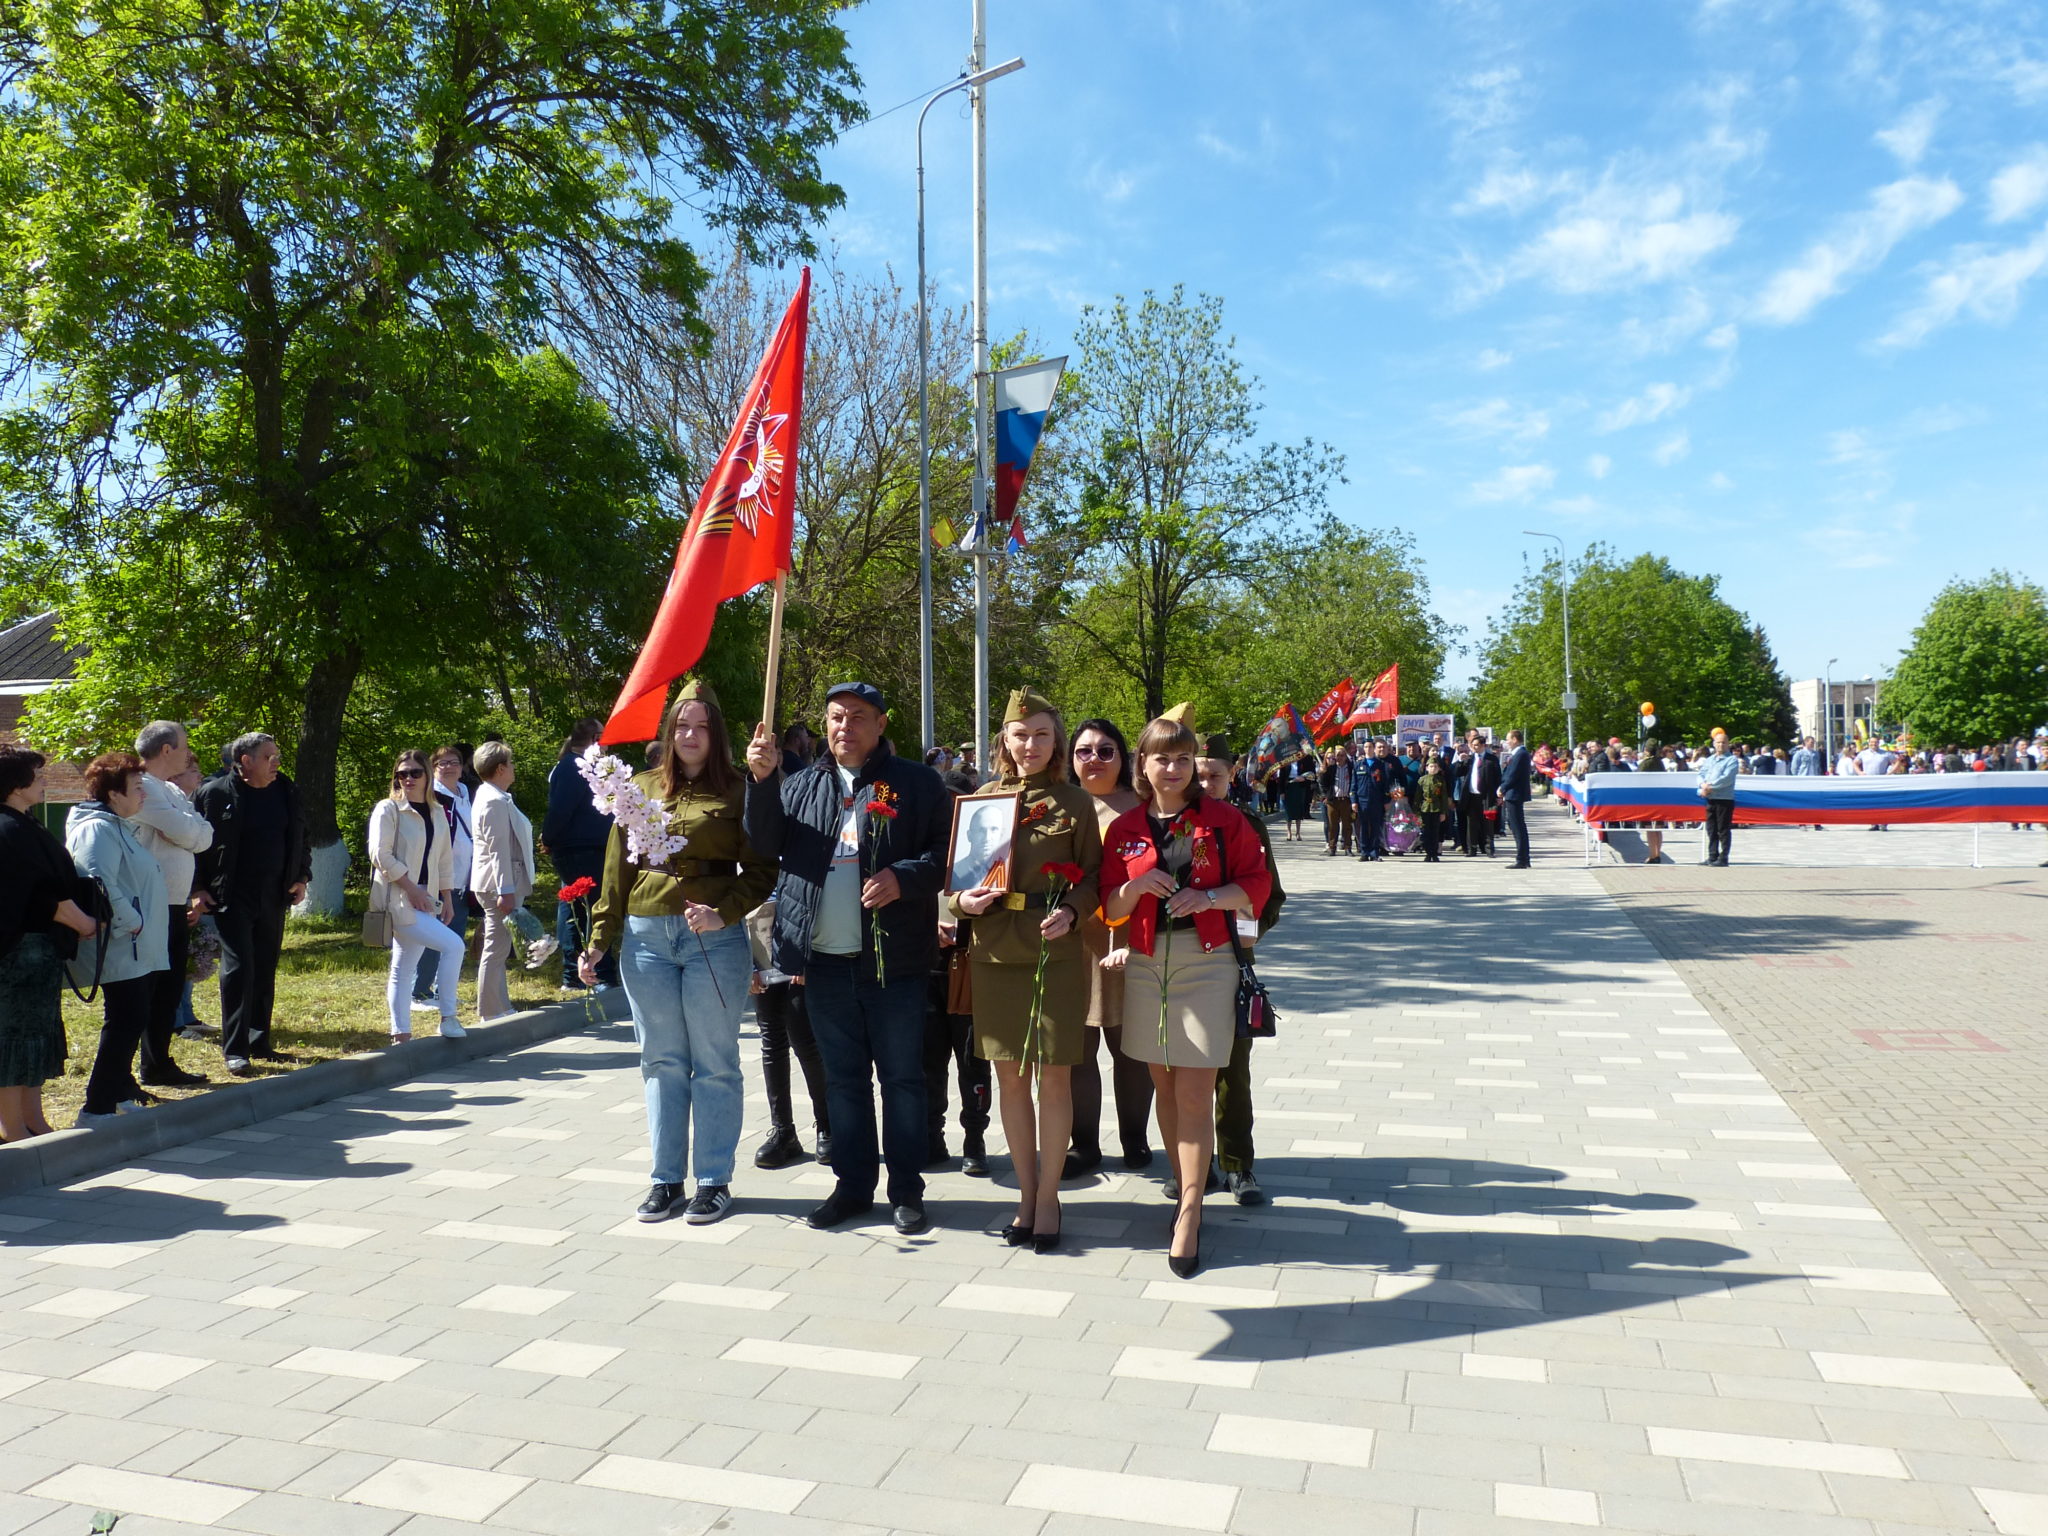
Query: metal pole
[(1827, 716), (1571, 728), (977, 59), (926, 702)]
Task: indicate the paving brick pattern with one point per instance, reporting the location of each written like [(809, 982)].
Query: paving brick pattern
[(1546, 1251), (1900, 1013)]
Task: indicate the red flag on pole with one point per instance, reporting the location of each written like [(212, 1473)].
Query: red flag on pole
[(1326, 719), (1381, 699), (739, 535)]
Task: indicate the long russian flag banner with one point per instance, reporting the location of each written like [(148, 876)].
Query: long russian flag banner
[(1023, 399), (1765, 800)]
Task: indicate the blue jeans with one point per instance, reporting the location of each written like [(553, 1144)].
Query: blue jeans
[(430, 962), (689, 1040), (867, 1031)]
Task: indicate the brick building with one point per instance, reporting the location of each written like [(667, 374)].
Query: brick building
[(32, 661)]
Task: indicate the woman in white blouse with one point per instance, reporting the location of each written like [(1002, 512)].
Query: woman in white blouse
[(502, 877), (411, 859)]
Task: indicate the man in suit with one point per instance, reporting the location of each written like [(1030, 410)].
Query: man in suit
[(1481, 783), (1514, 797)]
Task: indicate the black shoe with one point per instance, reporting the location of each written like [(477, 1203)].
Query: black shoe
[(908, 1220), (712, 1202), (1044, 1242), (935, 1153), (661, 1202), (1170, 1187), (1142, 1158), (1244, 1187), (837, 1208), (1518, 866), (780, 1149), (1016, 1236), (271, 1053), (825, 1148), (1079, 1163), (173, 1077), (974, 1158)]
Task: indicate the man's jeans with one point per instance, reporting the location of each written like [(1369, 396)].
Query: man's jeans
[(867, 1031), (689, 1031)]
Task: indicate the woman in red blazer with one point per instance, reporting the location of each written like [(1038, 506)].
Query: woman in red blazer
[(1182, 868)]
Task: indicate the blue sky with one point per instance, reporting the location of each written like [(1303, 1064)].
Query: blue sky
[(1759, 286)]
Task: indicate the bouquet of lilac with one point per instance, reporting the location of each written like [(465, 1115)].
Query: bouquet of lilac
[(649, 842), (202, 950)]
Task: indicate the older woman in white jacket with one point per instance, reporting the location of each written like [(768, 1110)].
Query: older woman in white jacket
[(410, 857), (501, 875)]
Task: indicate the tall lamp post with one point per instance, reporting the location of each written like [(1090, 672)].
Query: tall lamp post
[(927, 697), (1571, 699), (1827, 715)]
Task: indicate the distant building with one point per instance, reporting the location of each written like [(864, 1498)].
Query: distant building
[(1853, 699), (32, 661)]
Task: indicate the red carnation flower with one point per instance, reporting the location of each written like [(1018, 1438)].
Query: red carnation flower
[(882, 808), (1073, 874), (576, 890)]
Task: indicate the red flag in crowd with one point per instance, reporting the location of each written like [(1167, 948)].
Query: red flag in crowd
[(739, 535), (1327, 718), (1380, 701)]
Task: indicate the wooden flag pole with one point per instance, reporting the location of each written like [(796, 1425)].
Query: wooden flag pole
[(774, 650)]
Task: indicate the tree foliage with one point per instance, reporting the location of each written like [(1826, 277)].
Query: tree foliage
[(1977, 670), (1642, 632)]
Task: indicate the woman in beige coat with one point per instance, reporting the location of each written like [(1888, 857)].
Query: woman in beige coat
[(501, 876), (411, 860)]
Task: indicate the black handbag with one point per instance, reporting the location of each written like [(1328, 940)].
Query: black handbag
[(1257, 1019)]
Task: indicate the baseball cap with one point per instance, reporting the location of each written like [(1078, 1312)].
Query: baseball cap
[(867, 693)]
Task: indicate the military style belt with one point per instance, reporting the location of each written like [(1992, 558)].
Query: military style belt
[(705, 869), (1019, 901)]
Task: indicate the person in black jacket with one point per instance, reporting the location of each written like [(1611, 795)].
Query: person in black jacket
[(861, 837), (574, 832), (1479, 793), (1514, 797), (254, 873)]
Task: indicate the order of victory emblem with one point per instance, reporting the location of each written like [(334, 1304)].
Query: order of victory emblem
[(750, 475)]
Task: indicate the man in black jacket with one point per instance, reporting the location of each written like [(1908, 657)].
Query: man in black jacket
[(574, 832), (1514, 797), (255, 871), (1481, 793), (861, 836)]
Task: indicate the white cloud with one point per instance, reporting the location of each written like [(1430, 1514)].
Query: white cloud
[(1719, 482), (1851, 447), (1617, 236), (1497, 418), (1493, 358), (1598, 465), (1653, 404), (1722, 338), (1982, 281), (1909, 137), (1358, 273), (1863, 543), (1517, 482), (1511, 189), (1672, 449), (1572, 506), (1485, 99), (2018, 189), (1858, 243)]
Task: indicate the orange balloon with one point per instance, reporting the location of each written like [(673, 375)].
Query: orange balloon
[(1649, 708)]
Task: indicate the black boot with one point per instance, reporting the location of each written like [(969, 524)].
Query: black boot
[(780, 1149), (974, 1156)]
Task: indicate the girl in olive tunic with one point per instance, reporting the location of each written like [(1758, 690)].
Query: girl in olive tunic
[(685, 963), (1056, 824)]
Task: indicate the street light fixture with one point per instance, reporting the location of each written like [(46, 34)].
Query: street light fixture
[(927, 698), (1571, 699)]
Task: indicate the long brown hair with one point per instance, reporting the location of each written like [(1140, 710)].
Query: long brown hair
[(1055, 766), (410, 759), (720, 777), (1164, 735)]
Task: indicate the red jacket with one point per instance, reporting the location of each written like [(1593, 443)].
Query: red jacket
[(1128, 851)]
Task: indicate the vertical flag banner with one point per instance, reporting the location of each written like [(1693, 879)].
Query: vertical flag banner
[(1326, 719), (740, 533), (1023, 400), (1381, 699), (1284, 740)]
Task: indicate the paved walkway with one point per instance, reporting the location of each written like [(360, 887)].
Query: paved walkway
[(1547, 1251)]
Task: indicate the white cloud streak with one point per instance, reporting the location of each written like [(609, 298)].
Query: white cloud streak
[(1908, 138), (1672, 449), (1517, 482), (1857, 244), (1653, 404), (1598, 465), (1497, 418), (2019, 189), (1977, 280)]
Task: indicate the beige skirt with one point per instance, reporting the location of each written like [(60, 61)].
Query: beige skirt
[(1201, 1006)]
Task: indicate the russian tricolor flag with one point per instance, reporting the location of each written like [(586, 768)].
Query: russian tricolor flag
[(1023, 400)]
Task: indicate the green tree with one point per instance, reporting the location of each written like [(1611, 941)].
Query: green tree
[(1977, 670), (1642, 632), (1174, 503), (266, 269)]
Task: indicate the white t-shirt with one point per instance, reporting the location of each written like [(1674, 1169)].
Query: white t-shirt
[(839, 911)]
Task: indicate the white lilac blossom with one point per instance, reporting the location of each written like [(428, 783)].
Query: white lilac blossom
[(649, 842)]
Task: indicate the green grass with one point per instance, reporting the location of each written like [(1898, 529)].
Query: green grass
[(330, 1002)]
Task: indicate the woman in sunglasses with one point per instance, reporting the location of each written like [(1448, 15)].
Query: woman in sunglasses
[(412, 862)]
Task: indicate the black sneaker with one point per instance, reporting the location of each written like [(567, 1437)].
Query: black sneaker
[(1244, 1187), (1081, 1162), (173, 1077), (780, 1149), (660, 1203), (712, 1202), (825, 1149), (974, 1158), (839, 1207)]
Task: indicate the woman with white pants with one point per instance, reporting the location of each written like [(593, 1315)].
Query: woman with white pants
[(410, 856)]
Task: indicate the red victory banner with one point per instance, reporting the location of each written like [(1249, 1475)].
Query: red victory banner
[(738, 537), (1327, 718), (1381, 700)]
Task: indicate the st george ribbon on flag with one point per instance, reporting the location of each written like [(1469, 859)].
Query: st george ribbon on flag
[(1379, 700), (738, 536), (1023, 399)]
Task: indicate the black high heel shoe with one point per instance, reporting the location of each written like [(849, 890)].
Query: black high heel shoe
[(1015, 1235), (1046, 1242), (1184, 1265)]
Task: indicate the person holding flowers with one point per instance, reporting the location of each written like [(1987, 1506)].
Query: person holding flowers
[(1030, 968), (1181, 866), (678, 924)]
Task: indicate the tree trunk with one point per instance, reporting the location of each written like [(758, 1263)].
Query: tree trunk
[(324, 701)]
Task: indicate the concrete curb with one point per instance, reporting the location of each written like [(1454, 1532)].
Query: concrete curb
[(68, 1155)]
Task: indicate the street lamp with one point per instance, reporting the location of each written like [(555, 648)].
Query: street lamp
[(1827, 715), (1570, 700), (927, 700)]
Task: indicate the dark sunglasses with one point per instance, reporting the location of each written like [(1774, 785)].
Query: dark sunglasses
[(410, 773), (1104, 752)]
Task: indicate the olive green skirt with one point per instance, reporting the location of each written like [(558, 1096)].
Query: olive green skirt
[(1003, 1028)]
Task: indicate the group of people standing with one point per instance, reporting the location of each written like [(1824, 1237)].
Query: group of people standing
[(1426, 794), (1115, 923)]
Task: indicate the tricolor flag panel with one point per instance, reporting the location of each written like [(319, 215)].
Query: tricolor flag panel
[(1023, 400)]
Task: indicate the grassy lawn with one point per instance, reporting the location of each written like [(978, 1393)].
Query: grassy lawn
[(330, 1002)]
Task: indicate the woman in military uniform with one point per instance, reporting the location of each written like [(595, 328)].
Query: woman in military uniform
[(1025, 1028), (686, 963)]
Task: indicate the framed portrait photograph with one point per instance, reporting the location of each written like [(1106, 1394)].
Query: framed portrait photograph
[(984, 831)]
